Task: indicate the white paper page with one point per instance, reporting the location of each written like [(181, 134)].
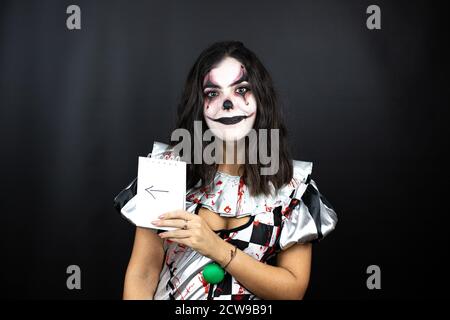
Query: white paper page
[(161, 187)]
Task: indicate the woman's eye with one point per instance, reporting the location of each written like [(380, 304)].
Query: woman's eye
[(242, 90), (211, 94)]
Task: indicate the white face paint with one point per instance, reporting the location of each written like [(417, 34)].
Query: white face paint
[(230, 106)]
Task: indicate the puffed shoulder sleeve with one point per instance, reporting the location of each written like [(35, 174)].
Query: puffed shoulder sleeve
[(309, 217)]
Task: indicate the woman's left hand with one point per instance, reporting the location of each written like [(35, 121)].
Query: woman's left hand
[(197, 235)]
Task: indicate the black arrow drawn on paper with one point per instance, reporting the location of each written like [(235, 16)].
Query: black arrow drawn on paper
[(149, 190)]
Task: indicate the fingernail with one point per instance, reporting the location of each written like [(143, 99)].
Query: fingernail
[(161, 216), (155, 222)]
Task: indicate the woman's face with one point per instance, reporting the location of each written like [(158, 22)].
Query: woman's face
[(230, 107)]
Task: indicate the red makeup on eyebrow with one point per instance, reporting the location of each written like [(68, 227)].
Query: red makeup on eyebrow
[(240, 75)]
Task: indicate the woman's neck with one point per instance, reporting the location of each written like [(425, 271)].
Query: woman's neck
[(230, 164), (231, 169)]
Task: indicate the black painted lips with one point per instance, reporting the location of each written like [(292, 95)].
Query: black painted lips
[(230, 120)]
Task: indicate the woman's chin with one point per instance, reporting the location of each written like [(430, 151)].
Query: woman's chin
[(231, 134)]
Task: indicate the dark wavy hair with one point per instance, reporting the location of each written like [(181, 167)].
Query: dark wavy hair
[(268, 116)]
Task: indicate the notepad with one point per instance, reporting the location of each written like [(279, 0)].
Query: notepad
[(161, 187)]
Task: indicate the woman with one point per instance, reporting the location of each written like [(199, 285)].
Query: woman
[(256, 228)]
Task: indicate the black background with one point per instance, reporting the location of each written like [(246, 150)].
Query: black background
[(79, 107)]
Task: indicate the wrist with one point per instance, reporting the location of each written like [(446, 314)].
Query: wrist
[(222, 252)]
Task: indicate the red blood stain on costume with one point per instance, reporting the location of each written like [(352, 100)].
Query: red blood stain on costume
[(204, 283), (189, 197), (288, 210), (240, 191), (241, 290)]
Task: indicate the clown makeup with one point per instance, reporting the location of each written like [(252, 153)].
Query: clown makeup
[(229, 105)]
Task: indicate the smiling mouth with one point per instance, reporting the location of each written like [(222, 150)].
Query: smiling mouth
[(230, 120)]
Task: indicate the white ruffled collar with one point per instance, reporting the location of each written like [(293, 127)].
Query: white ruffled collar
[(229, 196)]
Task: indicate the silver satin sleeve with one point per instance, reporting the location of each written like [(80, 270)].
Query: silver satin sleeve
[(311, 220), (158, 149)]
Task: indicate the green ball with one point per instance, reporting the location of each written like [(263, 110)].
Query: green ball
[(213, 273)]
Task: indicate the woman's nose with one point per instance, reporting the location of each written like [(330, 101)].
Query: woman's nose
[(227, 105)]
